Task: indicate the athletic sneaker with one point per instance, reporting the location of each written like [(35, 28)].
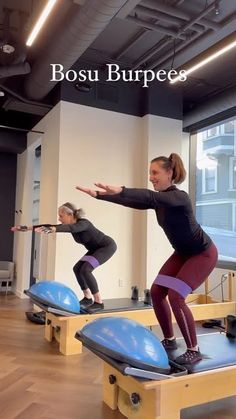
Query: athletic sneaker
[(189, 357), (95, 307), (86, 302), (169, 344)]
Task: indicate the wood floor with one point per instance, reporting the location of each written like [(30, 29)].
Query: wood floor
[(36, 382)]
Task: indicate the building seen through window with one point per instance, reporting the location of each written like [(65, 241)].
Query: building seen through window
[(215, 187)]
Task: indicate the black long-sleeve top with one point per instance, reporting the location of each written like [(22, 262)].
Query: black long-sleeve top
[(174, 214), (83, 232)]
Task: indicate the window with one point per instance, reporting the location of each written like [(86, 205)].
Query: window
[(229, 127), (232, 173), (212, 131), (214, 186), (209, 180)]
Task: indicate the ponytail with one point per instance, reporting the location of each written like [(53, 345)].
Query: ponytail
[(179, 172)]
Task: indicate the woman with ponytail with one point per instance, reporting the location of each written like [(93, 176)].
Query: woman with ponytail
[(100, 248), (194, 256)]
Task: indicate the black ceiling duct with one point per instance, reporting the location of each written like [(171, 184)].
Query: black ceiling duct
[(81, 26)]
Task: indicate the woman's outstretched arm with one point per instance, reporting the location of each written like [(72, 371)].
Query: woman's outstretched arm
[(114, 194)]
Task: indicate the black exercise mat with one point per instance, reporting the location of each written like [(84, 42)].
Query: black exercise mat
[(122, 304), (218, 351), (111, 305)]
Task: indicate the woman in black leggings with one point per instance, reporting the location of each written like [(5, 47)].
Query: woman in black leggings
[(100, 248), (194, 256)]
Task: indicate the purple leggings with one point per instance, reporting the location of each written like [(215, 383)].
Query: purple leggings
[(192, 272)]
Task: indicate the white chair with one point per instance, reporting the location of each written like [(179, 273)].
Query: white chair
[(6, 273)]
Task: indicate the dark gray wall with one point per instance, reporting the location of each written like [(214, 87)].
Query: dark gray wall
[(7, 199), (12, 141), (160, 98)]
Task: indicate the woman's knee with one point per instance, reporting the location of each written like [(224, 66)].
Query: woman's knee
[(158, 293), (175, 299), (154, 290), (77, 267), (86, 268)]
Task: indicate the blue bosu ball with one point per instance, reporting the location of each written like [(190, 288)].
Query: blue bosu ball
[(127, 341), (56, 295)]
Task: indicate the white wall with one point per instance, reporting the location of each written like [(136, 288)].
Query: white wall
[(98, 145)]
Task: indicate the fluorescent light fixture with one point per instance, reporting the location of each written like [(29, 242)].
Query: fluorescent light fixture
[(40, 22), (206, 61)]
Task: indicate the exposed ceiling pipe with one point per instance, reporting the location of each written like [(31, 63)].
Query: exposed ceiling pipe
[(198, 17), (157, 28), (127, 9), (164, 58), (20, 129), (85, 24), (14, 70), (178, 13), (178, 48), (140, 36), (196, 38), (166, 18), (156, 48), (216, 105), (23, 99)]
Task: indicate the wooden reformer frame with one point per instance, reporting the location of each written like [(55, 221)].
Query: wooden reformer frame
[(137, 399)]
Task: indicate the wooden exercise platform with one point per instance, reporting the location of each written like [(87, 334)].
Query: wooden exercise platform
[(164, 399), (63, 328)]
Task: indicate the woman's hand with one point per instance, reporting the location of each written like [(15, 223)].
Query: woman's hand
[(38, 230), (88, 191), (106, 190), (44, 229), (15, 228), (20, 228)]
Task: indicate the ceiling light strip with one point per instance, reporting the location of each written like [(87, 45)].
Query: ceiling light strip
[(206, 61), (40, 22)]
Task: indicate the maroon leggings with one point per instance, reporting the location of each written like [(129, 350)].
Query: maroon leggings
[(191, 270)]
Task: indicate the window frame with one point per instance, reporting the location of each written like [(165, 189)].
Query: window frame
[(221, 264), (231, 167), (204, 191)]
